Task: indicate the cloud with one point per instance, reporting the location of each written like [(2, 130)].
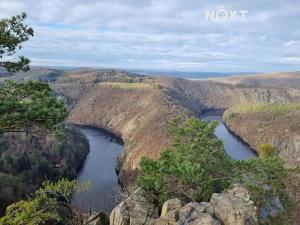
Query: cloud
[(155, 34)]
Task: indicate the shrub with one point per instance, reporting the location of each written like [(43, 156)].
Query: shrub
[(193, 167), (266, 150), (232, 115), (45, 206)]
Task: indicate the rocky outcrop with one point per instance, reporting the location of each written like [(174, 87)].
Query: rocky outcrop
[(138, 209), (190, 214), (232, 207), (97, 219)]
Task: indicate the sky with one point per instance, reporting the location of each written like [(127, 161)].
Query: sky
[(181, 35)]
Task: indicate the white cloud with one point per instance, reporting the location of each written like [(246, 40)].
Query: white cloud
[(155, 34), (290, 60)]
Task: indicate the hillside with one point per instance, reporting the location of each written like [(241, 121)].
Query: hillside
[(276, 124), (288, 79), (201, 95), (28, 159), (138, 114), (35, 73), (138, 108)]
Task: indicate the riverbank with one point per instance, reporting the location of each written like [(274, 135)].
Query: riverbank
[(102, 159), (140, 115), (275, 124), (234, 145)]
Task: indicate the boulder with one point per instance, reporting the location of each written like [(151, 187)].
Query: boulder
[(135, 210), (231, 207), (170, 205), (234, 207), (201, 219), (169, 211), (190, 214), (191, 211), (119, 215)]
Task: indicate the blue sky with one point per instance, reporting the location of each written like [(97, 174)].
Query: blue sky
[(162, 34)]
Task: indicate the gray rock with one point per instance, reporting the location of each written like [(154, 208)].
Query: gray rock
[(191, 211), (239, 192), (234, 207), (135, 210), (119, 215), (164, 221), (170, 205), (202, 219)]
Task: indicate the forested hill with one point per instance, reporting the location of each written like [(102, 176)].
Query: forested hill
[(138, 108), (26, 160)]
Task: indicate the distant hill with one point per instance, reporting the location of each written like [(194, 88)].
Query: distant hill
[(138, 107), (185, 74), (36, 73), (287, 79)]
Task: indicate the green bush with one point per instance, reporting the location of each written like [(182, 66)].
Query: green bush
[(266, 150), (195, 166), (45, 206), (232, 115)]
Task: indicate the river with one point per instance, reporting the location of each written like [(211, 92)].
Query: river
[(233, 145), (99, 166)]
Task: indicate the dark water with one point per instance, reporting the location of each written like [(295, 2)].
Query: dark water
[(233, 145), (99, 168)]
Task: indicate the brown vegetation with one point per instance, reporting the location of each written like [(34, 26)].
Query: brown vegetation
[(288, 79), (140, 115), (270, 124)]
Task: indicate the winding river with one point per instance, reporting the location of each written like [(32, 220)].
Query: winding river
[(99, 167), (233, 145)]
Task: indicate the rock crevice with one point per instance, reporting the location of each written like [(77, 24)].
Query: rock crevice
[(231, 207)]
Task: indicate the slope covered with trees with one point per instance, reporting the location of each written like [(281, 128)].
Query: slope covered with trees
[(34, 144)]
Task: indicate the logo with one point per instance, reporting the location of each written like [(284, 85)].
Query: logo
[(223, 14)]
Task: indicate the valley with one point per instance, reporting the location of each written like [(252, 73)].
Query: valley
[(149, 112), (140, 115), (137, 110)]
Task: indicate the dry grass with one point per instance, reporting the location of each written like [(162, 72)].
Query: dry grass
[(125, 85), (276, 109)]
